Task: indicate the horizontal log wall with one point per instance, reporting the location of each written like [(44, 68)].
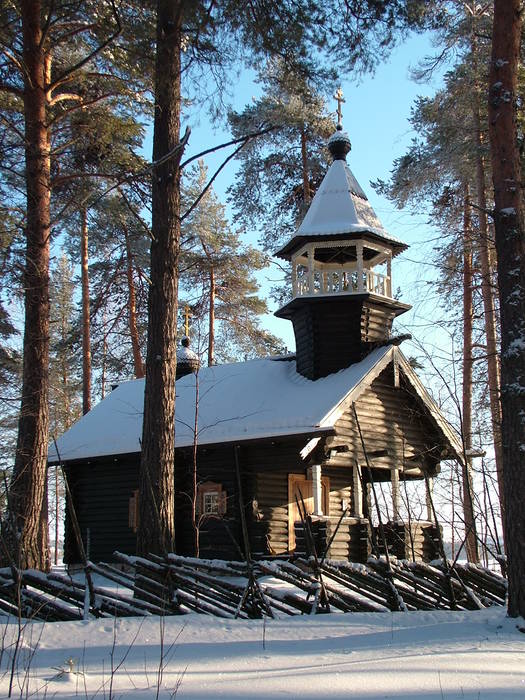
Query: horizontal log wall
[(219, 537), (417, 542), (391, 419), (272, 499), (101, 492)]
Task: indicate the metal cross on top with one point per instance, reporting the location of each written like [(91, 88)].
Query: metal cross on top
[(340, 99), (187, 316)]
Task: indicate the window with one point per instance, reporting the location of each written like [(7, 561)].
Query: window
[(211, 500), (211, 503)]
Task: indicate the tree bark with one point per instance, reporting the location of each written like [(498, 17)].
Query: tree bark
[(306, 179), (211, 319), (86, 320), (468, 505), (211, 301), (156, 530), (28, 492), (132, 311), (510, 245), (487, 289)]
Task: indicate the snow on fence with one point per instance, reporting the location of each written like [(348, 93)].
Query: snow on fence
[(176, 585)]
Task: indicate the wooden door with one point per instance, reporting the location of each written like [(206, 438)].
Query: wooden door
[(299, 485)]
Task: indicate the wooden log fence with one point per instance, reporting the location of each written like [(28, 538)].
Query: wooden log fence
[(177, 585)]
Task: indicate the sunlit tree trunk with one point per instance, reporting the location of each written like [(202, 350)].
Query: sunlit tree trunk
[(86, 320), (487, 289), (211, 319), (306, 176), (28, 490), (156, 530), (468, 505), (132, 311), (510, 245)]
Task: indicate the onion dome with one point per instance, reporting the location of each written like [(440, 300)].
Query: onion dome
[(187, 360), (339, 144)]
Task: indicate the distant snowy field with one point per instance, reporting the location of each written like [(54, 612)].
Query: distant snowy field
[(427, 655)]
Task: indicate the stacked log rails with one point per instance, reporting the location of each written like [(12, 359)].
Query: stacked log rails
[(219, 588), (321, 599)]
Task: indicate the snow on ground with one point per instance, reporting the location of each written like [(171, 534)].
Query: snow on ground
[(429, 655)]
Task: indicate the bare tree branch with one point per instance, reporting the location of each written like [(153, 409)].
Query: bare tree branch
[(245, 139)]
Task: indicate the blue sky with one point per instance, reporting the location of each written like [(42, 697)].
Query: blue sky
[(375, 115)]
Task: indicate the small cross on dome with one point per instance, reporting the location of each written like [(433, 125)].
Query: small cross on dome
[(339, 99)]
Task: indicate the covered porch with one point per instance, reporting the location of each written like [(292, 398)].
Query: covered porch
[(354, 532)]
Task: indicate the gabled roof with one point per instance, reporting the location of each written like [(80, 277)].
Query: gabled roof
[(243, 401), (340, 207)]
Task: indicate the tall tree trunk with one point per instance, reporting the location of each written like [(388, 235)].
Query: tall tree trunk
[(57, 507), (104, 363), (468, 505), (487, 289), (28, 492), (132, 311), (211, 319), (86, 320), (156, 530), (306, 179), (509, 222), (211, 304)]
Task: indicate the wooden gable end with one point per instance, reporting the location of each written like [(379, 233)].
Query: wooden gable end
[(397, 428)]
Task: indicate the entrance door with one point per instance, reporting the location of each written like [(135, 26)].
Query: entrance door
[(299, 485)]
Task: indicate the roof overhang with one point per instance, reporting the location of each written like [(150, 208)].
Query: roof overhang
[(287, 311), (311, 436), (354, 234)]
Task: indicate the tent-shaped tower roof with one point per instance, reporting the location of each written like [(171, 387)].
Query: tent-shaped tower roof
[(340, 208)]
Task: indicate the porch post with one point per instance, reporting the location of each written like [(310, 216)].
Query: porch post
[(311, 256), (358, 492), (317, 489), (395, 492), (429, 487), (359, 254)]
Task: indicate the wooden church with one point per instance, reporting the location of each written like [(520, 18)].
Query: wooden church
[(344, 413)]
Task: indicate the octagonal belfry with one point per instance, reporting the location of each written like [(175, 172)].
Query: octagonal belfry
[(341, 258)]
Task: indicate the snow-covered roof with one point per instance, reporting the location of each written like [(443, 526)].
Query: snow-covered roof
[(341, 207), (241, 401), (251, 400)]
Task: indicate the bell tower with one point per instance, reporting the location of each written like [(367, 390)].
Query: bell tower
[(341, 258)]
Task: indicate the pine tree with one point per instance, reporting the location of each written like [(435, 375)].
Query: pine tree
[(103, 152), (119, 277), (442, 163), (217, 280), (60, 60), (64, 382), (509, 222), (280, 172), (46, 49)]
